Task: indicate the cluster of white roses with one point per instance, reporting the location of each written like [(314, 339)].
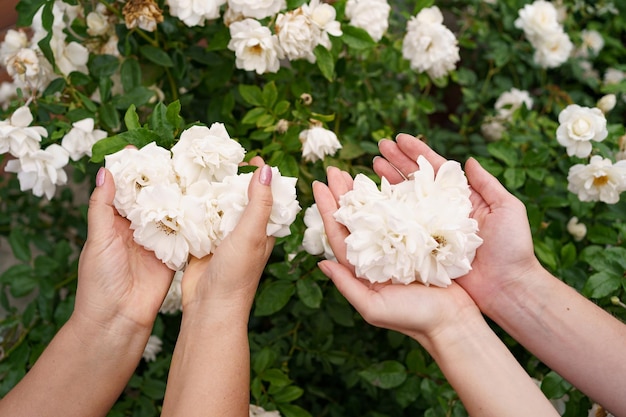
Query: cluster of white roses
[(187, 201), (41, 170), (429, 45), (416, 230), (543, 29), (600, 179)]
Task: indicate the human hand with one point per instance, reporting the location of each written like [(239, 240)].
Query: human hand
[(117, 278), (506, 255), (230, 276), (421, 312)]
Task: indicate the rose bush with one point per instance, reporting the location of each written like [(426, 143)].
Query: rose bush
[(305, 85)]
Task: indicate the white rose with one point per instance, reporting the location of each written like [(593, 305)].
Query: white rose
[(370, 15), (511, 100), (552, 50), (315, 241), (134, 169), (592, 42), (81, 138), (492, 128), (16, 137), (430, 15), (607, 103), (576, 229), (14, 41), (41, 171), (153, 347), (430, 47), (160, 222), (614, 76), (578, 126), (323, 17), (295, 35), (600, 180), (207, 218), (538, 19), (204, 153), (258, 9), (256, 411), (195, 12), (318, 142), (255, 47), (98, 21)]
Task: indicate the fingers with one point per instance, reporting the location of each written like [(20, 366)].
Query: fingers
[(257, 161), (384, 169), (255, 217), (412, 147), (101, 213), (485, 184), (401, 157), (352, 288), (336, 232)]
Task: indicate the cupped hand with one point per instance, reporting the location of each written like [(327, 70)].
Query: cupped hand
[(416, 310), (117, 278), (506, 255), (230, 276)]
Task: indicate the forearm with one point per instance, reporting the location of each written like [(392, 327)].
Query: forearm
[(81, 373), (485, 375), (576, 338), (210, 370)]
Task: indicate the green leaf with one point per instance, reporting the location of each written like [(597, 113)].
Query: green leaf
[(602, 284), (351, 151), (130, 73), (109, 117), (160, 124), (514, 177), (173, 114), (47, 19), (156, 55), (292, 410), (408, 392), (14, 273), (138, 137), (273, 297), (325, 62), (275, 377), (253, 116), (554, 386), (137, 96), (546, 255), (309, 292), (356, 38), (288, 394), (153, 388), (19, 244), (270, 94), (281, 107), (504, 152), (251, 94), (56, 86), (103, 66), (386, 375), (263, 359), (26, 10), (131, 118)]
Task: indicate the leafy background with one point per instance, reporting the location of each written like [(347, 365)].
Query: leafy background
[(312, 354)]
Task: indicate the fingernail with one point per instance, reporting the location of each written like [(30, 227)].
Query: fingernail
[(266, 175), (324, 268), (381, 141), (100, 177)]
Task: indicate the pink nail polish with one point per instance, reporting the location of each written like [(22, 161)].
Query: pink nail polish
[(266, 175), (100, 177)]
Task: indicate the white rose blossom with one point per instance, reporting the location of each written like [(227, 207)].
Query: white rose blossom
[(295, 34), (204, 153), (152, 349), (317, 142), (81, 138), (14, 41), (256, 411), (429, 45), (511, 100), (613, 76), (600, 180), (592, 43), (578, 126), (257, 9), (195, 12), (29, 69), (370, 15), (134, 169), (315, 241), (416, 230), (576, 229), (322, 16), (16, 135), (553, 50), (173, 301), (596, 410), (255, 47), (492, 128), (41, 171)]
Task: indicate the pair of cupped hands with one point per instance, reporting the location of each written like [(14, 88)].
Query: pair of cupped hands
[(121, 281)]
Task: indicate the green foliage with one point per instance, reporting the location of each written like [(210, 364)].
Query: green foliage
[(312, 354)]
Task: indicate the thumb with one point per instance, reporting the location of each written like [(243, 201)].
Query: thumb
[(257, 213), (485, 184), (101, 211)]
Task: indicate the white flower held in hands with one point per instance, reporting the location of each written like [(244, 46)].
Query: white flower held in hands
[(419, 229), (186, 204)]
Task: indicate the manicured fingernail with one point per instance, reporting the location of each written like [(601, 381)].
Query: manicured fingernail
[(266, 175), (100, 177)]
